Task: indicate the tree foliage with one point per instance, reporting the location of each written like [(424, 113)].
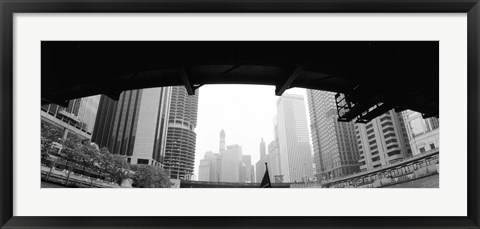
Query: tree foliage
[(75, 150), (115, 165), (147, 176), (49, 135)]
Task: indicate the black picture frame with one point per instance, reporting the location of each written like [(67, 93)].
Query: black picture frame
[(9, 7)]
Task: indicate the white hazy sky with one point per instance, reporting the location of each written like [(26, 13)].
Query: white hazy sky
[(245, 112)]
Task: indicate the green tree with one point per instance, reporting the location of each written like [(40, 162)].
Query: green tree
[(115, 165), (49, 134), (148, 176)]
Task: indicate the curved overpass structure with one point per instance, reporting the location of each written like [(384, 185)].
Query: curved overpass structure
[(370, 77)]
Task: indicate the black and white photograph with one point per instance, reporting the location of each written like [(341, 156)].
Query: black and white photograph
[(240, 114)]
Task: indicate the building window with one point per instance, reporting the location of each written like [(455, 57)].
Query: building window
[(370, 131), (385, 118), (432, 146), (392, 146), (387, 124), (388, 129), (377, 158), (390, 141), (396, 152), (142, 161), (422, 150), (390, 135), (371, 136)]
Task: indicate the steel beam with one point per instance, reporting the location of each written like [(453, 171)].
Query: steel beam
[(280, 88), (186, 81)]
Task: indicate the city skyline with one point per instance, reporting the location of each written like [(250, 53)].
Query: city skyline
[(290, 142), (245, 127), (258, 99)]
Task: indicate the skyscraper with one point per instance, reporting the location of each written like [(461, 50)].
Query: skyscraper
[(335, 149), (382, 141), (181, 137), (260, 165), (423, 133), (247, 174), (135, 125), (222, 141), (273, 160), (231, 163), (78, 117), (210, 168), (294, 143)]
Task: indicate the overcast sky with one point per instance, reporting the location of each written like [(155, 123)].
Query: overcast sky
[(245, 112)]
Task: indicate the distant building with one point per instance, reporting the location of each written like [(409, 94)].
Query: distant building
[(181, 136), (382, 141), (423, 133), (77, 118), (204, 170), (273, 158), (293, 139), (134, 126), (260, 165), (334, 144), (231, 163), (210, 167), (247, 171), (222, 141)]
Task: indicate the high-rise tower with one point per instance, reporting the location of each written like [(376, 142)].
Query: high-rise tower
[(222, 141), (263, 151), (181, 137), (382, 141), (134, 126), (335, 149), (294, 142)]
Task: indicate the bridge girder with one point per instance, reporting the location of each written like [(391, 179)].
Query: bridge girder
[(400, 75)]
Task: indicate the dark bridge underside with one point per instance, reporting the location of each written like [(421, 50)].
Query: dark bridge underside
[(373, 77)]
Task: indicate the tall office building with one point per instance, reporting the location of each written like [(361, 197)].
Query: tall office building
[(181, 137), (260, 165), (294, 142), (273, 158), (135, 125), (335, 149), (247, 172), (382, 141), (78, 117), (222, 141), (423, 133), (210, 168), (231, 163)]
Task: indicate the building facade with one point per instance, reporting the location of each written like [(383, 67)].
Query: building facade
[(210, 167), (423, 133), (135, 126), (77, 118), (334, 143), (260, 165), (181, 136), (247, 171), (231, 163), (382, 141), (293, 139)]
